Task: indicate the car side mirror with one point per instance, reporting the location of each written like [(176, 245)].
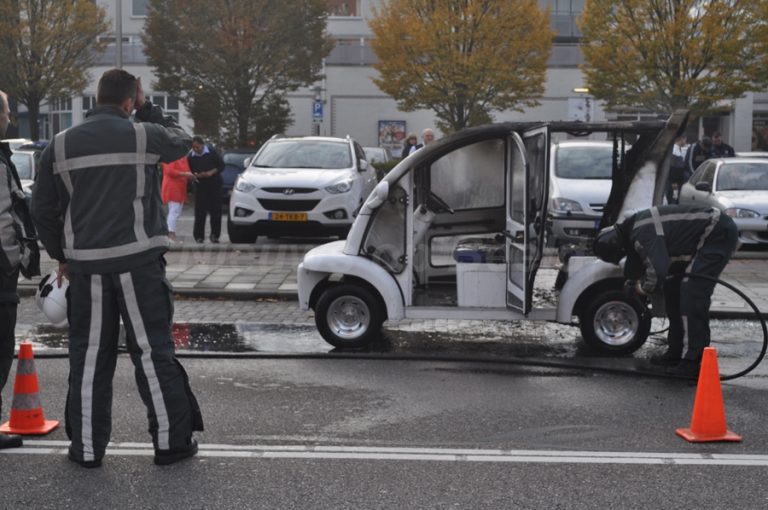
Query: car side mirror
[(363, 165), (247, 162), (704, 186)]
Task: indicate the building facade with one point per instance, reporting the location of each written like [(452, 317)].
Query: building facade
[(347, 101)]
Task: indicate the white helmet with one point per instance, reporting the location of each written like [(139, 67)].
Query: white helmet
[(52, 299)]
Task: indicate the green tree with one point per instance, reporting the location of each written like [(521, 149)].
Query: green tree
[(242, 56), (46, 47), (661, 55), (462, 59)]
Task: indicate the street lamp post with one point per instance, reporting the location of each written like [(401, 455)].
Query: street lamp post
[(119, 33)]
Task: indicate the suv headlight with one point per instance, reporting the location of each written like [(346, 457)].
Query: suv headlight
[(341, 187), (735, 212), (565, 205), (244, 186)]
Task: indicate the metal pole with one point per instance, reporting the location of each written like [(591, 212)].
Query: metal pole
[(119, 33)]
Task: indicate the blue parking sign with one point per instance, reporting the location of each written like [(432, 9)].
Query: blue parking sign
[(317, 110)]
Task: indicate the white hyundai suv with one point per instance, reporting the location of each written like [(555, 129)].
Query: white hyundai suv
[(309, 186)]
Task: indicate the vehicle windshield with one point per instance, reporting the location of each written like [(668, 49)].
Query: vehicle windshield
[(584, 162), (742, 176), (316, 154), (235, 158), (372, 153), (23, 164)]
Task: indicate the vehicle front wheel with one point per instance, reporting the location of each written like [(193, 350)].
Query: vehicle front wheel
[(241, 234), (612, 322), (349, 316)]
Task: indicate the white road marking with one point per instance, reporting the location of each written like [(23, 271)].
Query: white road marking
[(44, 447)]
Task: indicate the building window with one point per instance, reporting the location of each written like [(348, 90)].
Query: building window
[(760, 131), (89, 102), (139, 7), (343, 7), (563, 15), (169, 104), (60, 114)]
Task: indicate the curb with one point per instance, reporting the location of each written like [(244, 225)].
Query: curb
[(222, 247), (29, 290)]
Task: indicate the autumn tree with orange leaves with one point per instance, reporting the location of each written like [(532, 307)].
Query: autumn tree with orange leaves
[(46, 47), (231, 62), (662, 55), (461, 59)]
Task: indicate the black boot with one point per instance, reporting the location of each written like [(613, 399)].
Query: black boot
[(668, 359), (85, 463), (7, 441), (686, 368), (165, 457)]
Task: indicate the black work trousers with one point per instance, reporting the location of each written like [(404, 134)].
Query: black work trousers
[(143, 299), (9, 302), (688, 299), (207, 203)]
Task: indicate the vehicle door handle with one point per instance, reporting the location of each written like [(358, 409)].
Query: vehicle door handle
[(517, 237)]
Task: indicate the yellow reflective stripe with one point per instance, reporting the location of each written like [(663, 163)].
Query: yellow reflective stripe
[(98, 160), (657, 221), (138, 206), (116, 251)]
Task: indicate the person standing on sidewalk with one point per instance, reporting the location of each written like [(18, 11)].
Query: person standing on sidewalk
[(9, 263), (176, 175), (669, 240), (207, 166), (98, 211)]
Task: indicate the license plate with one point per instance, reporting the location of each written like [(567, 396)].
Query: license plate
[(288, 216)]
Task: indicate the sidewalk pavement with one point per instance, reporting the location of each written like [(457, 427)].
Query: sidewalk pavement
[(268, 270)]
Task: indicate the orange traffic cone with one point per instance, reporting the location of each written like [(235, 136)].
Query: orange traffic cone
[(27, 415), (708, 420)]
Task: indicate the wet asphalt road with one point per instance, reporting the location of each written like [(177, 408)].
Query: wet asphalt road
[(356, 434), (286, 430)]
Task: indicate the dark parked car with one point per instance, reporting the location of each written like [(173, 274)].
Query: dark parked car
[(234, 164)]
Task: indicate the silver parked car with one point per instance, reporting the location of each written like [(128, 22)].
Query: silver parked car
[(737, 186), (377, 154), (309, 186), (26, 165), (579, 185)]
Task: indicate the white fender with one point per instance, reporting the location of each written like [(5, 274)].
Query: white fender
[(328, 259), (583, 272)]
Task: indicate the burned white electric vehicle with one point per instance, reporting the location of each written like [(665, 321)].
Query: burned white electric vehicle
[(456, 231)]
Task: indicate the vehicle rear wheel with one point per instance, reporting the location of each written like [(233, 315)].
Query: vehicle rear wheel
[(239, 234), (349, 316), (612, 322)]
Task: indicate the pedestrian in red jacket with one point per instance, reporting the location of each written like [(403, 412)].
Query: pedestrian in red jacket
[(174, 191)]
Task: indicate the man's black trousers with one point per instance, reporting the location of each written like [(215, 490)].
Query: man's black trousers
[(207, 202), (9, 302), (688, 299), (143, 299)]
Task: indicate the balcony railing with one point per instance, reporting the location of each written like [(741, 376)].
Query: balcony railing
[(133, 54)]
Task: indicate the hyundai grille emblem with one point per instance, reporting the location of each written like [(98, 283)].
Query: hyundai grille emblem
[(288, 191)]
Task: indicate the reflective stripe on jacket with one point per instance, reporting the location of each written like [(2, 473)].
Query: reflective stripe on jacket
[(97, 199), (660, 236), (9, 244)]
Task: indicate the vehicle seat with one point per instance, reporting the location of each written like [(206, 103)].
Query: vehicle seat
[(480, 250)]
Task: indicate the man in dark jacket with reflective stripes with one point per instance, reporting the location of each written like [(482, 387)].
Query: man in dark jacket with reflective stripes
[(668, 240), (9, 263), (98, 211)]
